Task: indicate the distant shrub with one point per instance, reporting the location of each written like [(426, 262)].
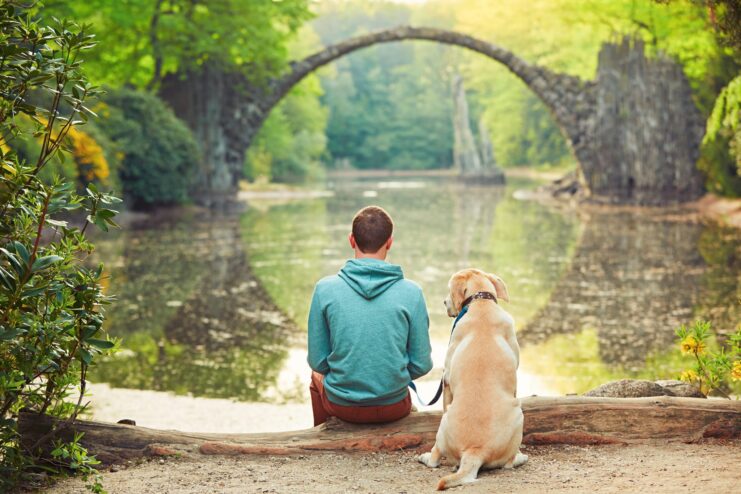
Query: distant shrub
[(721, 172), (159, 152), (721, 160), (90, 160)]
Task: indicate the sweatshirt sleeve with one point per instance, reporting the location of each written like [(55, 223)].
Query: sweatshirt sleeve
[(418, 345), (319, 346)]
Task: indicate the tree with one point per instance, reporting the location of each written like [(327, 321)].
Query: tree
[(389, 106), (146, 39), (51, 312)]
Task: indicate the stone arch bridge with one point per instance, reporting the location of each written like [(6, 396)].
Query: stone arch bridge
[(634, 130)]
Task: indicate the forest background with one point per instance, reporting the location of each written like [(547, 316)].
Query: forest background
[(385, 107)]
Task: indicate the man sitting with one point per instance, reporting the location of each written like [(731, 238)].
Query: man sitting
[(368, 331)]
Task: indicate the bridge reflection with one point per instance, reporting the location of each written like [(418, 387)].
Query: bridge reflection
[(634, 279)]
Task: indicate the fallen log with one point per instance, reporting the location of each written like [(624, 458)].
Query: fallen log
[(548, 420)]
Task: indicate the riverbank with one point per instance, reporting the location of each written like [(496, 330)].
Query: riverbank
[(709, 208), (661, 468)]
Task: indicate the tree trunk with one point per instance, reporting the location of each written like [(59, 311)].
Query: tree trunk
[(548, 420)]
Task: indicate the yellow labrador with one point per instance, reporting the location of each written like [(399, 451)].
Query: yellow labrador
[(482, 421)]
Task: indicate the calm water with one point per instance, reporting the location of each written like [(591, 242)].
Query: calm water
[(216, 305)]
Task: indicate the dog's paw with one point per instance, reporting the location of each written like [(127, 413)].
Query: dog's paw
[(426, 459), (519, 460)]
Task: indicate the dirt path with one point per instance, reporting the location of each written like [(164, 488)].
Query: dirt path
[(674, 468)]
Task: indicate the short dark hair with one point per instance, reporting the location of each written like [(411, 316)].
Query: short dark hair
[(372, 227)]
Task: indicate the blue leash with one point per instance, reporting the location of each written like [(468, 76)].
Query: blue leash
[(439, 391)]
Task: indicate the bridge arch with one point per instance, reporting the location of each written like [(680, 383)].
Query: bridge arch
[(567, 97), (634, 130)]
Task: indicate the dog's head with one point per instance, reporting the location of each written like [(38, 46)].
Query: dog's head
[(469, 281)]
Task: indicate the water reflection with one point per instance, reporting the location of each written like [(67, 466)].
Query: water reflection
[(192, 317), (632, 281), (438, 229), (216, 305)]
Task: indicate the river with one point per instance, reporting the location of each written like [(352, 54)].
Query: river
[(211, 308)]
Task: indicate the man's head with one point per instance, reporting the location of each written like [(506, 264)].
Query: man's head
[(372, 228)]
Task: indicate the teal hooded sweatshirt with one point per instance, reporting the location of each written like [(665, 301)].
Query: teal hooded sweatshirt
[(368, 333)]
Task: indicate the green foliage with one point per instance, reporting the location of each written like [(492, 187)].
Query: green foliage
[(710, 73), (51, 312), (723, 139), (292, 140), (713, 370), (566, 35), (92, 157), (143, 40), (160, 155), (74, 456), (389, 105)]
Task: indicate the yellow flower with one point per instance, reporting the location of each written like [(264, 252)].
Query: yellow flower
[(700, 347), (688, 345), (688, 376), (736, 371)]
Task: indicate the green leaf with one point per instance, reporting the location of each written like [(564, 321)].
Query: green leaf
[(33, 292), (85, 356), (100, 223), (7, 279), (10, 334), (22, 251), (44, 262), (52, 222), (18, 267), (102, 344)]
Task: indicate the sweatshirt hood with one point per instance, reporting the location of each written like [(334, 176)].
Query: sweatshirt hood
[(370, 277)]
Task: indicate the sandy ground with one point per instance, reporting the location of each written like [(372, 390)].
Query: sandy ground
[(162, 410), (668, 468)]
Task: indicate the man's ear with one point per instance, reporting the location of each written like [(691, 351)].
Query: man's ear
[(389, 242), (499, 286), (351, 239)]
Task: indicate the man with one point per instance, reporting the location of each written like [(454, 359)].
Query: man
[(368, 331)]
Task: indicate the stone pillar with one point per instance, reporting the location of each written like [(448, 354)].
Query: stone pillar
[(466, 159), (647, 130), (221, 110), (474, 163)]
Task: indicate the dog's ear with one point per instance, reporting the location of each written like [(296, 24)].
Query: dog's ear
[(458, 285), (499, 286)]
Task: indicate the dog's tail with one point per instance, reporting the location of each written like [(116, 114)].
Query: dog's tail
[(466, 473)]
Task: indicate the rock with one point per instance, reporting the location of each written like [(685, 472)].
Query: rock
[(681, 388), (629, 388), (127, 422)]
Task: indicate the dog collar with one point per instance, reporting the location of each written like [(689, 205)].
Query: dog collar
[(480, 295)]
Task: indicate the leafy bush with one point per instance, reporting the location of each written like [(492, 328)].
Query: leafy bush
[(91, 160), (713, 370), (722, 143), (160, 155), (292, 141), (50, 304)]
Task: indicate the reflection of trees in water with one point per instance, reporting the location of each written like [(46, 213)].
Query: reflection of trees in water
[(191, 313), (632, 279), (476, 208), (720, 296), (446, 226)]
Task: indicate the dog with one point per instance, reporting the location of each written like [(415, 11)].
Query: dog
[(482, 419)]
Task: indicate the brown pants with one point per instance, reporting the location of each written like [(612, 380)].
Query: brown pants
[(323, 408)]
